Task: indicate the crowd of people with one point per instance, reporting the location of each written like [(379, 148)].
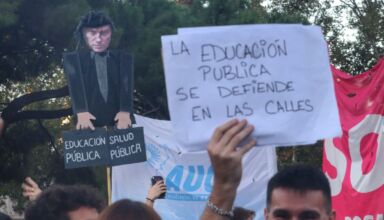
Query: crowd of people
[(82, 202), (297, 192)]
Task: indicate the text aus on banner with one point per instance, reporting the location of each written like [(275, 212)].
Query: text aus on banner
[(103, 147), (278, 77)]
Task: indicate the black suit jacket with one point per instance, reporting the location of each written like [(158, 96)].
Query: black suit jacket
[(84, 90)]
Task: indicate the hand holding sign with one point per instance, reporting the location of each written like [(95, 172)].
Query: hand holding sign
[(84, 121)]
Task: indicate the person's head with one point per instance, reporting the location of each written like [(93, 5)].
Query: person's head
[(299, 192), (129, 210), (76, 202), (95, 30), (243, 214)]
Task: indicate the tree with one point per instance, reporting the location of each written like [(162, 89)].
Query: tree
[(34, 34), (29, 49), (8, 13), (367, 18), (32, 62)]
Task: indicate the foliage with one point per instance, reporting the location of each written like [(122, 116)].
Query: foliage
[(34, 34), (354, 55), (367, 18), (8, 12), (34, 43), (309, 154)]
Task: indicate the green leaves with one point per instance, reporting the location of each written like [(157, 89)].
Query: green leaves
[(8, 14), (34, 34)]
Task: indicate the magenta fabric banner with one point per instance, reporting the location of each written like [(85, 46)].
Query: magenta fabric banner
[(354, 163)]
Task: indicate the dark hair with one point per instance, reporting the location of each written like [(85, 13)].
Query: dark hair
[(126, 209), (241, 213), (301, 178), (91, 19), (55, 202)]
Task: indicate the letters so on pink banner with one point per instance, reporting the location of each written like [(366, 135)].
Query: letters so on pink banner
[(354, 163)]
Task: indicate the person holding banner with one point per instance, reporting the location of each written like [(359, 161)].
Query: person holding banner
[(298, 192), (100, 80)]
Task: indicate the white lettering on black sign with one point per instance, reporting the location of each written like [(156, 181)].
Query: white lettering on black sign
[(102, 147)]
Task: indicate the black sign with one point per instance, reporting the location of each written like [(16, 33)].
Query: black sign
[(102, 147), (127, 146)]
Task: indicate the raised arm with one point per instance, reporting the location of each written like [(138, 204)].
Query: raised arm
[(226, 157), (30, 189)]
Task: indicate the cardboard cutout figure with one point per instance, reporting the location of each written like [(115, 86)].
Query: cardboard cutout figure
[(100, 80)]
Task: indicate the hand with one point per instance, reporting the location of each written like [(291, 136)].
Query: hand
[(123, 120), (84, 121), (226, 158), (155, 191), (30, 189), (225, 153)]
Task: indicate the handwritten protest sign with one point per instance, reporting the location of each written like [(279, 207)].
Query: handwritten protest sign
[(102, 147), (276, 76)]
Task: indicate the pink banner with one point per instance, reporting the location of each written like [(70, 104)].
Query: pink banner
[(354, 163)]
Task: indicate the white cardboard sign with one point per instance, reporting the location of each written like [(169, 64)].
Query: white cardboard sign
[(278, 77)]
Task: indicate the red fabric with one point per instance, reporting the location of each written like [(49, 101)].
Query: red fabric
[(352, 157)]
